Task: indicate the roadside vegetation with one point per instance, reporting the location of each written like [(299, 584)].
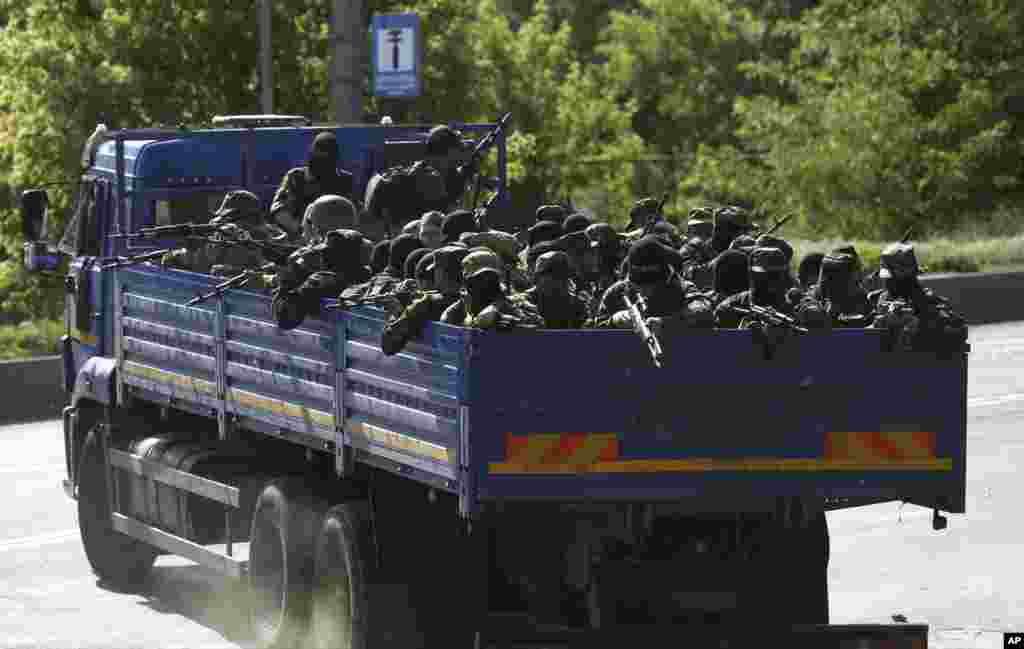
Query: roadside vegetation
[(30, 338)]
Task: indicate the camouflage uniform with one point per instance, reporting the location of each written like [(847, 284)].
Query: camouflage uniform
[(914, 316), (431, 305), (730, 275), (484, 304), (839, 292), (303, 185), (506, 246), (768, 271), (667, 296), (329, 212), (240, 217), (318, 272), (552, 298)]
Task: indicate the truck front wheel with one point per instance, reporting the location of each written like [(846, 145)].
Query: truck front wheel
[(284, 524), (118, 560)]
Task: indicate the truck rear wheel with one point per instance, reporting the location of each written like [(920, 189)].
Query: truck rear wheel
[(353, 607), (281, 563), (118, 560)]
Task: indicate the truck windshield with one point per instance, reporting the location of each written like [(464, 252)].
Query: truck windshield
[(80, 234), (194, 207)]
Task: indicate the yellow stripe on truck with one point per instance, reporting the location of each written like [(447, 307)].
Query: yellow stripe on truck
[(363, 432), (699, 465), (578, 453)]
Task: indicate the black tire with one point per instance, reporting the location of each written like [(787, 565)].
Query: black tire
[(284, 524), (117, 560), (344, 567)]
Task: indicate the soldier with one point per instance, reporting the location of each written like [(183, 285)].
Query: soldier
[(552, 297), (645, 212), (809, 270), (506, 246), (839, 292), (538, 233), (424, 272), (400, 194), (484, 303), (240, 216), (667, 296), (324, 269), (730, 222), (608, 253), (303, 185), (743, 243), (914, 316), (700, 223), (431, 305), (730, 275), (329, 212), (432, 230), (768, 288), (409, 268)]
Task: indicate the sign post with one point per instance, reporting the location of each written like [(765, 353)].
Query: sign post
[(397, 57)]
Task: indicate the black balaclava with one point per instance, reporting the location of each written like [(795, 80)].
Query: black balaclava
[(731, 274), (323, 156)]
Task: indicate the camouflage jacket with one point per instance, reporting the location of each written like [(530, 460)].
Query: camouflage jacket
[(568, 311), (298, 189), (926, 321), (510, 311), (410, 323)]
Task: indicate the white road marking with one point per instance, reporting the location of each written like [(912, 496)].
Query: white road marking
[(33, 468), (995, 400), (39, 540)]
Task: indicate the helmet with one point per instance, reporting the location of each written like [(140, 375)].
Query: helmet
[(555, 263), (898, 261), (602, 235), (648, 260), (412, 227), (770, 241), (642, 210), (401, 247), (575, 223), (479, 261), (699, 228), (768, 260), (441, 139), (239, 206), (743, 241), (344, 248), (329, 212), (504, 244), (412, 261), (449, 260), (556, 213), (431, 230)]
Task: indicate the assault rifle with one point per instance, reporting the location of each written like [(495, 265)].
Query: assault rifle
[(636, 309), (480, 150), (775, 226), (772, 317), (274, 253), (169, 231), (906, 239), (120, 262), (237, 281)]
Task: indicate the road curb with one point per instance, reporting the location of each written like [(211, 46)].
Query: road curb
[(33, 389)]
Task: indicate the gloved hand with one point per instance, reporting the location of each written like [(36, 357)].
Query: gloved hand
[(622, 320)]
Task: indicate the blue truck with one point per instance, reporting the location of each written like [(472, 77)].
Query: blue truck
[(479, 488)]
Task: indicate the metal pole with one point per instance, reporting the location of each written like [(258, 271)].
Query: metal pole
[(266, 60), (348, 35)]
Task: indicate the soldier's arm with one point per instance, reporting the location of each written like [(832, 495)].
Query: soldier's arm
[(284, 205), (726, 316)]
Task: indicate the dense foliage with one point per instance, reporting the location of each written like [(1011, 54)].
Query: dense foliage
[(861, 116)]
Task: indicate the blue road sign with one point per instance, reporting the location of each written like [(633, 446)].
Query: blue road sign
[(397, 58)]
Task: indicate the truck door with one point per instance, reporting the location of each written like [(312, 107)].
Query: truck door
[(82, 242)]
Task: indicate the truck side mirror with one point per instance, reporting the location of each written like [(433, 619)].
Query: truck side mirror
[(33, 214), (39, 256)]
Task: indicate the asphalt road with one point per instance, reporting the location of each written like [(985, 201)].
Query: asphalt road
[(966, 582)]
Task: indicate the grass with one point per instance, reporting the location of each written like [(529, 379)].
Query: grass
[(30, 338), (942, 255)]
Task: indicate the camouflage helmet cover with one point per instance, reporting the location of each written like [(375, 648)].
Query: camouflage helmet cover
[(898, 261), (479, 261), (768, 260)]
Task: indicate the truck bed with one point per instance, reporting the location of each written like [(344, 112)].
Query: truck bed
[(559, 415)]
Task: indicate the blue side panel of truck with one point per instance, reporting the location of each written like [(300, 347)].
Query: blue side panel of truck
[(325, 384), (559, 415), (584, 414)]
